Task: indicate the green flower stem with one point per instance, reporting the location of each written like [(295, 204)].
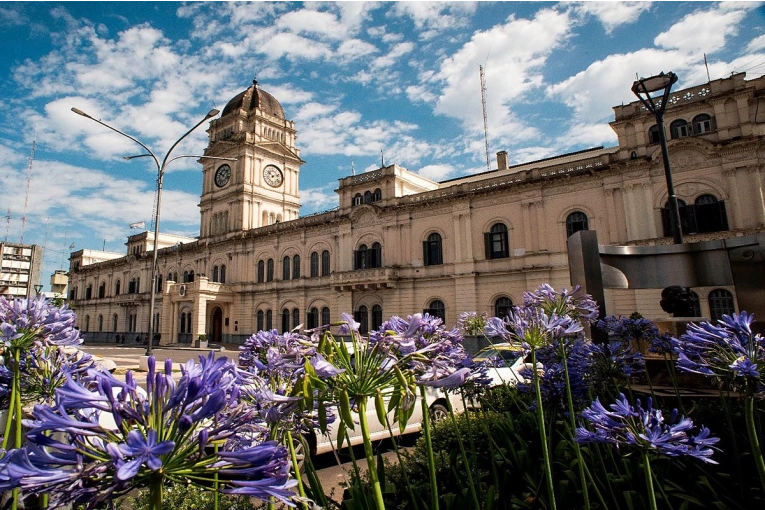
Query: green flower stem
[(296, 467), (649, 482), (572, 419), (362, 404), (468, 466), (542, 431), (216, 485), (155, 491), (431, 459), (752, 431), (401, 462)]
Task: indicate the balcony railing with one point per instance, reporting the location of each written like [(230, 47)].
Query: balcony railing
[(365, 279)]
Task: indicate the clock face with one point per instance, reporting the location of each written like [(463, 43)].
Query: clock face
[(222, 175), (273, 176)]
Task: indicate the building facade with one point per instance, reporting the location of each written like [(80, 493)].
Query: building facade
[(20, 268), (399, 243)]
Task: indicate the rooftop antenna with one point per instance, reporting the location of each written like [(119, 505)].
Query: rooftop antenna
[(26, 196), (707, 66), (7, 224), (485, 121), (382, 159)]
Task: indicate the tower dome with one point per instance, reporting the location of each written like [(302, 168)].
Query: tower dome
[(255, 97)]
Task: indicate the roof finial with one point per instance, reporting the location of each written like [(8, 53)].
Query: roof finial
[(254, 82)]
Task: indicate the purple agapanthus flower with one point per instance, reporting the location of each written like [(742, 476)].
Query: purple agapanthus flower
[(625, 426), (25, 321), (727, 350), (570, 303), (104, 436)]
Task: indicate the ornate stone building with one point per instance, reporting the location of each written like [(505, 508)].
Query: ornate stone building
[(399, 243)]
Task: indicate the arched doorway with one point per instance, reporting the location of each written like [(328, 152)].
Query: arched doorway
[(217, 326)]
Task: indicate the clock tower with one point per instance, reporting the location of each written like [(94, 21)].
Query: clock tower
[(261, 187)]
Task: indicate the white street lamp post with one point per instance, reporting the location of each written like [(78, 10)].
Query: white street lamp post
[(160, 176)]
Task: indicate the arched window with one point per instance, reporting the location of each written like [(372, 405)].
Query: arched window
[(87, 322), (215, 274), (702, 123), (362, 317), (679, 129), (431, 250), (710, 214), (361, 257), (358, 199), (436, 308), (260, 320), (367, 197), (720, 303), (377, 196), (653, 134), (286, 268), (496, 242), (102, 291), (270, 270), (377, 318), (223, 273), (159, 283), (296, 267), (325, 318), (261, 271), (314, 270), (89, 291), (325, 263), (115, 318), (100, 323), (295, 318), (313, 318), (285, 320), (503, 306), (707, 214), (117, 288), (182, 325), (269, 320), (575, 222)]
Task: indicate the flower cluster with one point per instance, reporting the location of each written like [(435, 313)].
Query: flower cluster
[(45, 369), (552, 381), (26, 321), (532, 327), (728, 349), (569, 303), (471, 323), (103, 436), (626, 426), (633, 330)]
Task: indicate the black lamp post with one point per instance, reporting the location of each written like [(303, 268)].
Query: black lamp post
[(160, 177), (656, 105)]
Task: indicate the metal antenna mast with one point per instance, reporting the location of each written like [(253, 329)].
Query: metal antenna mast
[(485, 121), (26, 196), (7, 224)]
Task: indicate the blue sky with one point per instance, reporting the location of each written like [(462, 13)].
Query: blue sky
[(357, 79)]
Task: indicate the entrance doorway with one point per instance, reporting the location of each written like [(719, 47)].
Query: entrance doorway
[(217, 326)]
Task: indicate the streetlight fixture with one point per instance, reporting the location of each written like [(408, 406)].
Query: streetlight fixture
[(38, 289), (643, 88), (160, 177)]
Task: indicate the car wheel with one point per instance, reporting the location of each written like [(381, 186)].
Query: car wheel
[(437, 412)]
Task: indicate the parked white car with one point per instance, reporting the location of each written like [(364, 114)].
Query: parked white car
[(437, 405), (508, 361)]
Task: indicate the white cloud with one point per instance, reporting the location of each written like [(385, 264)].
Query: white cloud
[(393, 56), (434, 17), (436, 172), (756, 44), (294, 47), (587, 135), (510, 74), (614, 14), (355, 48), (318, 199), (311, 21), (703, 31)]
